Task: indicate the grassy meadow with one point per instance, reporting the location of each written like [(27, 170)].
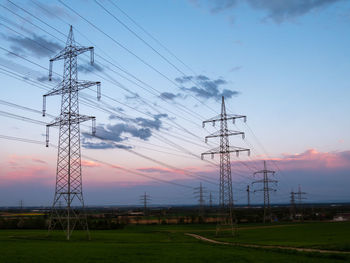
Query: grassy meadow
[(168, 243)]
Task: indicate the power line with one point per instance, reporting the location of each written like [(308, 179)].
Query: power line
[(19, 139), (126, 49), (156, 40), (7, 50)]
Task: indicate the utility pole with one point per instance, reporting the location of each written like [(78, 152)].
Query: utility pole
[(145, 198), (199, 193), (248, 195), (21, 204), (225, 186), (69, 190), (266, 189)]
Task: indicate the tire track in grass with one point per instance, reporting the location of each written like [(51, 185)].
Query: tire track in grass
[(312, 250)]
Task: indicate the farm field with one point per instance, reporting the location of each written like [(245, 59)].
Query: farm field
[(168, 243), (327, 236)]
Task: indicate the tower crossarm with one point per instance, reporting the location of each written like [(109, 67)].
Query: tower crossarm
[(230, 149), (68, 52), (225, 117), (227, 133), (79, 85), (62, 89), (266, 189), (69, 119), (264, 171)]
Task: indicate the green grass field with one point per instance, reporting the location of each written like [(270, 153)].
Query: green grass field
[(161, 243), (328, 236)]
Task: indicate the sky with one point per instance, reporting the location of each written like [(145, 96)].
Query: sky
[(164, 66)]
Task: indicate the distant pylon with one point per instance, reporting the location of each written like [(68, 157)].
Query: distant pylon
[(266, 189), (199, 193), (145, 198), (225, 188), (292, 204), (300, 197), (69, 190), (248, 195), (210, 200)]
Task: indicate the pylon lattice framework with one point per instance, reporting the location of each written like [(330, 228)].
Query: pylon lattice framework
[(300, 197), (145, 198), (266, 189), (199, 193), (225, 186), (68, 190)]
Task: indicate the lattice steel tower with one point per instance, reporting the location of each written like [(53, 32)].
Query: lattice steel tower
[(68, 190), (225, 191), (199, 193), (145, 198), (266, 189)]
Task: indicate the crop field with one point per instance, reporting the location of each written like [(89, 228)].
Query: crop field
[(327, 236), (169, 243)]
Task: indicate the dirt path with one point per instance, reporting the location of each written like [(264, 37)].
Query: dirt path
[(267, 246)]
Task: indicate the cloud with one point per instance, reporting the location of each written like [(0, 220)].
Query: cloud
[(88, 68), (205, 87), (38, 161), (46, 79), (103, 145), (134, 96), (114, 133), (155, 170), (89, 163), (237, 68), (280, 11), (184, 79), (36, 45), (277, 10), (312, 159), (51, 10), (156, 123), (169, 95), (107, 136)]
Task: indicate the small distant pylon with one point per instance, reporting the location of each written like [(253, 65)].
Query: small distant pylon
[(300, 197), (292, 204), (199, 193), (69, 190), (266, 189), (210, 200), (248, 195), (145, 199), (225, 187)]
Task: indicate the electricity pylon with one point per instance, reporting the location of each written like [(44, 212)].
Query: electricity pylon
[(210, 200), (225, 187), (248, 195), (266, 189), (300, 197), (69, 190), (199, 193), (292, 204), (145, 198)]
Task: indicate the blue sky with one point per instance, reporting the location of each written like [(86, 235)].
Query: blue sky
[(287, 62)]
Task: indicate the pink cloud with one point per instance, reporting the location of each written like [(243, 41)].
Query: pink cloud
[(90, 163), (312, 159)]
